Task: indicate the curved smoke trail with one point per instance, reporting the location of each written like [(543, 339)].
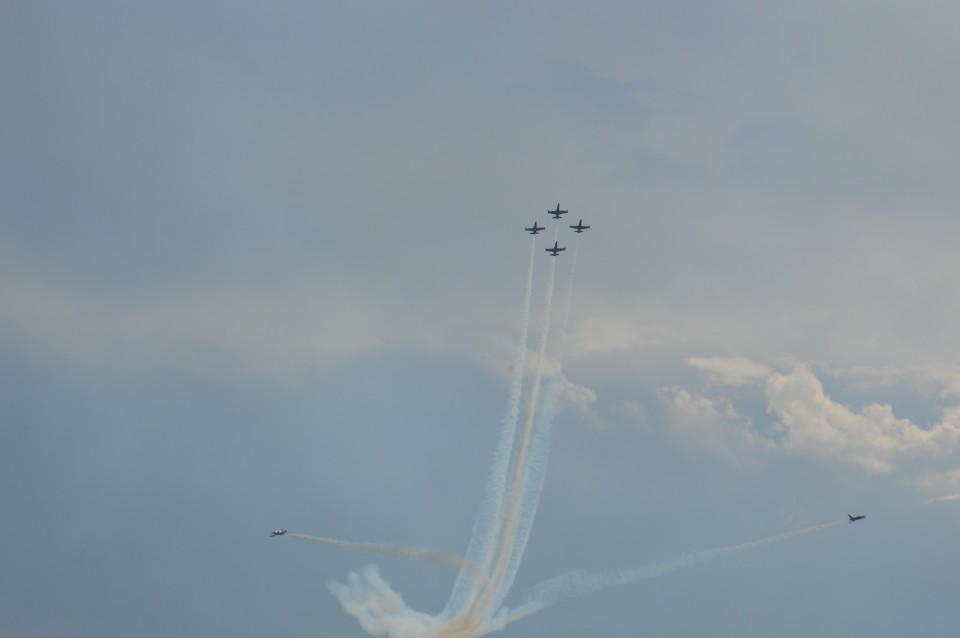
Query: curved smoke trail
[(540, 446), (482, 539), (586, 581), (525, 470), (501, 528)]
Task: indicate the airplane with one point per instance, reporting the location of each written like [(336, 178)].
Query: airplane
[(555, 250), (278, 532), (556, 213), (855, 518), (579, 228), (535, 229)]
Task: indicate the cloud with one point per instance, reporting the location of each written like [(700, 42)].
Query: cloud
[(940, 486), (570, 395), (582, 399), (808, 421), (730, 370), (607, 331), (944, 380), (711, 424), (266, 330), (635, 411), (872, 438)]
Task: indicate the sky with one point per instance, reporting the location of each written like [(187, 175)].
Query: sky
[(262, 265)]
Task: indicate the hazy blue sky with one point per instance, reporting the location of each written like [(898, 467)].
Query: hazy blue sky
[(262, 264)]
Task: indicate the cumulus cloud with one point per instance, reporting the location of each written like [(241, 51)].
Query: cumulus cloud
[(711, 424), (806, 420), (570, 395), (872, 438)]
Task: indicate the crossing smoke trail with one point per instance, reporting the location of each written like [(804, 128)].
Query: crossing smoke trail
[(505, 519), (438, 556), (503, 524), (473, 603), (579, 583)]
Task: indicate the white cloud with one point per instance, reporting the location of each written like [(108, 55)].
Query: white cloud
[(581, 399), (808, 421), (569, 394), (941, 379), (635, 411), (730, 370), (711, 424), (608, 330), (872, 438), (267, 330), (940, 486)]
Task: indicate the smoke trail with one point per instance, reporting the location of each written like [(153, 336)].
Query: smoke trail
[(567, 300), (482, 600), (438, 556), (579, 583), (381, 610), (537, 461), (482, 539)]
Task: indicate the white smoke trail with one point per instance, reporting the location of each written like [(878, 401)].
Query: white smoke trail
[(483, 539), (381, 610), (503, 525), (501, 528), (523, 471), (438, 556), (579, 583), (537, 461)]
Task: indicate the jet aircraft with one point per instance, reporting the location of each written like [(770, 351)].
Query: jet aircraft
[(579, 227), (855, 518), (556, 213), (535, 229), (555, 250), (278, 532)]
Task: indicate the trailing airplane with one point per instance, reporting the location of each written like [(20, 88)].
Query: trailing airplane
[(579, 228), (855, 518), (535, 229), (555, 250), (556, 213), (278, 532)]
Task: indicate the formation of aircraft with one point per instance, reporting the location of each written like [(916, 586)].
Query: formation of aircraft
[(278, 532), (855, 518), (555, 250)]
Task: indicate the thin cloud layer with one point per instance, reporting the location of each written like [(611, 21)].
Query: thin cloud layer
[(731, 370)]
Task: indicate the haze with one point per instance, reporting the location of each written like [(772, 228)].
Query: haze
[(263, 266)]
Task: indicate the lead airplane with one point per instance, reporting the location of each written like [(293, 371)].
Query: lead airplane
[(555, 250), (556, 213), (278, 532), (535, 229), (855, 518), (579, 227)]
